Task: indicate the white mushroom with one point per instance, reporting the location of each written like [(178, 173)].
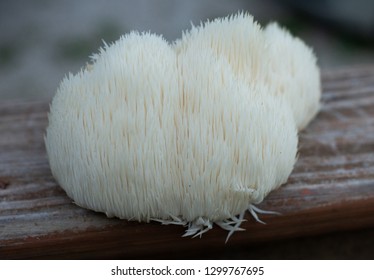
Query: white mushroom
[(292, 71), (111, 129), (173, 134), (271, 56)]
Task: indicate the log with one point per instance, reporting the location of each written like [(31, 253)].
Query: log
[(330, 190)]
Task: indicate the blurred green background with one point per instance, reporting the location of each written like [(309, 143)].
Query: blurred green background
[(43, 40)]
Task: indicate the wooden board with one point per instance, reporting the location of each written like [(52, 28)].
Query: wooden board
[(331, 188)]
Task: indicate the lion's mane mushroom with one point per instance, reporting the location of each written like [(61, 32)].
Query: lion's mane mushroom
[(148, 132), (271, 56)]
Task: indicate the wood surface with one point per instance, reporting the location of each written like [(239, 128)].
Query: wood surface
[(330, 190)]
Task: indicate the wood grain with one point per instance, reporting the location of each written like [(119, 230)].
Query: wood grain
[(331, 188)]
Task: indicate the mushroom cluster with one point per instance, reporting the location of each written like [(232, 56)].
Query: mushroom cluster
[(193, 133)]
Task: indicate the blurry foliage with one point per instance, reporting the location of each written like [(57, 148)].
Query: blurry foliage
[(80, 48), (76, 48), (8, 54), (344, 42), (294, 25)]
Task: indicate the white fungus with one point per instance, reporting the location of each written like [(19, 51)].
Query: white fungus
[(176, 134), (271, 56)]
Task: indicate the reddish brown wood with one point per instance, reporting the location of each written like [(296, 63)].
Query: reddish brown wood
[(331, 188)]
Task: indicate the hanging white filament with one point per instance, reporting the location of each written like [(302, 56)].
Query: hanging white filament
[(176, 135)]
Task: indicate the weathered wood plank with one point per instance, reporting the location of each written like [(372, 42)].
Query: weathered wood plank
[(331, 188)]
